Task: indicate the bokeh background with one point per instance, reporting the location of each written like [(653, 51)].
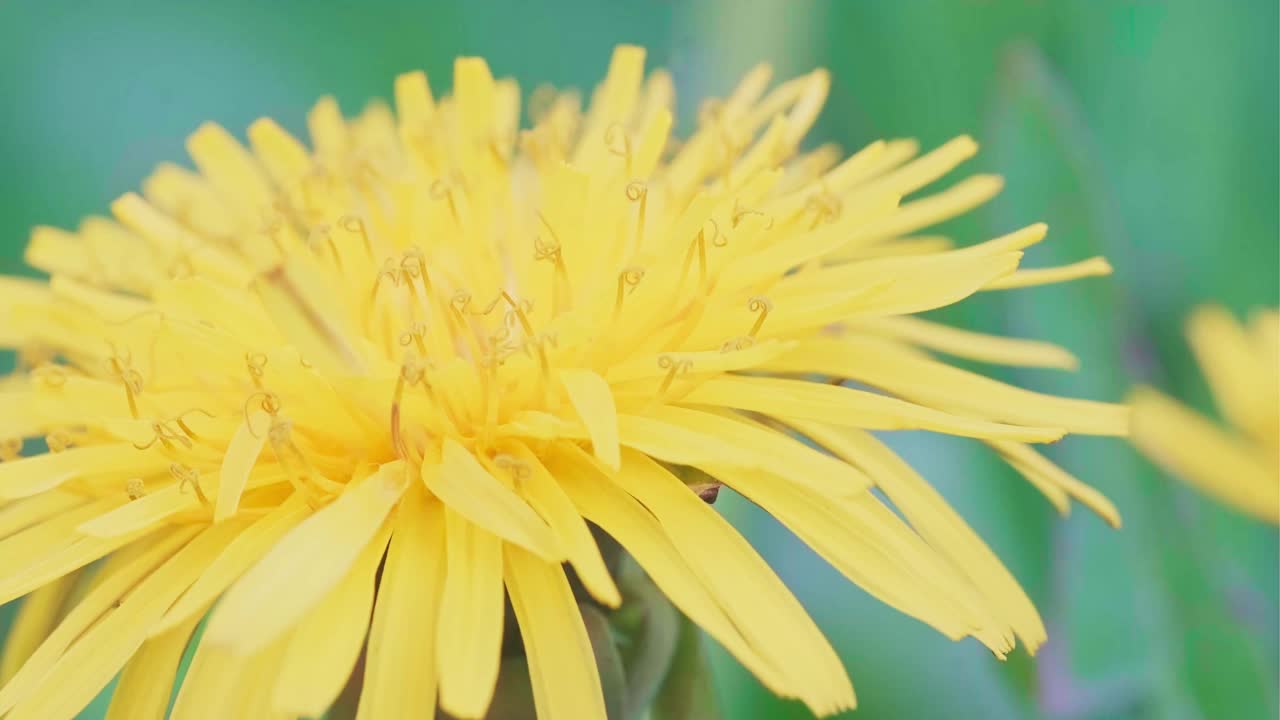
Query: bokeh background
[(1145, 131)]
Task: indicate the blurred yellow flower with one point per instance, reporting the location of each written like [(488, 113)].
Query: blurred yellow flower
[(1242, 366), (371, 387)]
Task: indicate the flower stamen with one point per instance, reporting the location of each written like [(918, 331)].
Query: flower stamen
[(628, 279), (188, 477), (762, 305)]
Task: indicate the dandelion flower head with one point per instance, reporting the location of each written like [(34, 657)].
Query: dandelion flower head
[(1241, 465), (351, 398)]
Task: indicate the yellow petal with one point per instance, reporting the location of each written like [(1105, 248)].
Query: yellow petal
[(280, 153), (692, 437), (31, 475), (547, 497), (638, 531), (562, 666), (35, 619), (146, 512), (232, 171), (111, 583), (920, 379), (299, 300), (752, 595), (90, 663), (19, 292), (945, 531), (806, 400), (400, 674), (304, 565), (146, 682), (1243, 380), (221, 684), (955, 200), (1029, 462), (327, 641), (924, 169), (593, 400), (242, 453), (22, 514), (469, 630), (869, 545), (971, 345), (1194, 449), (1093, 267), (41, 564), (247, 548), (473, 492)]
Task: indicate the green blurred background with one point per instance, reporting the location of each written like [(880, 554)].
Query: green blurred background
[(1145, 131)]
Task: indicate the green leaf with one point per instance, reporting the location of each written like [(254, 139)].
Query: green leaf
[(687, 693), (613, 675), (513, 698), (647, 629)]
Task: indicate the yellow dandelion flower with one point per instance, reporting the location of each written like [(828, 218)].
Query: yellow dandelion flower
[(357, 394), (1242, 366)]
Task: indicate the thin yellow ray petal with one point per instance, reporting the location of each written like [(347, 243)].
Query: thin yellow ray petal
[(1191, 447), (971, 345), (147, 511), (1241, 379), (808, 105), (1027, 461), (400, 674), (31, 475), (653, 137), (102, 303), (759, 604), (46, 564), (95, 657), (304, 309), (473, 492), (710, 361), (806, 400), (908, 246), (924, 169), (110, 585), (231, 170), (1052, 492), (329, 134), (242, 453), (1093, 267), (247, 548), (304, 565), (920, 379), (562, 666), (955, 200), (940, 525), (692, 437), (414, 104), (638, 531), (54, 251), (284, 157), (22, 514), (469, 629), (546, 496), (593, 400), (325, 645), (904, 285), (219, 683), (146, 682), (35, 619), (39, 540)]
